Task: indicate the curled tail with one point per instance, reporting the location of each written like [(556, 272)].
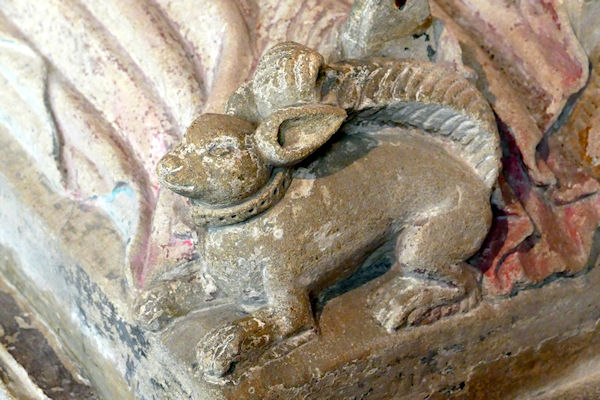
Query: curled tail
[(422, 95)]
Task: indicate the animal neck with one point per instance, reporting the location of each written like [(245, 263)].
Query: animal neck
[(265, 198)]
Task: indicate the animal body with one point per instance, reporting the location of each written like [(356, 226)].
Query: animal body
[(317, 167)]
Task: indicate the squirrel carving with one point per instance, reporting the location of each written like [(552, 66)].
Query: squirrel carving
[(316, 167)]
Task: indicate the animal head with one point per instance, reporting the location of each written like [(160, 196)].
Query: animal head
[(214, 162), (223, 160)]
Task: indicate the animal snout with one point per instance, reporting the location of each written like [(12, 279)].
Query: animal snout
[(172, 173)]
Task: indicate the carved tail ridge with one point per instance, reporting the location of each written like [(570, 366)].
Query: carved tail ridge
[(422, 95)]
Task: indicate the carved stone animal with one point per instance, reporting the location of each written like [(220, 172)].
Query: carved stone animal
[(291, 202)]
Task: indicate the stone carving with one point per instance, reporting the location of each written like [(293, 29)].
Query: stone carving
[(534, 235), (302, 221), (95, 93)]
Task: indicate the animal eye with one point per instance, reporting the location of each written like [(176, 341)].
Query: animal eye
[(221, 149)]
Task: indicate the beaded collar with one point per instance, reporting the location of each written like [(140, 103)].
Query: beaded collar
[(269, 195)]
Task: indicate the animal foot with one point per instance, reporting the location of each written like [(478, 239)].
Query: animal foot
[(223, 347), (463, 305), (410, 302), (220, 349)]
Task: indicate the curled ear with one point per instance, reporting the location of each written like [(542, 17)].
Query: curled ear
[(289, 135)]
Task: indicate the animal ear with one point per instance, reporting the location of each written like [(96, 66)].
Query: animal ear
[(289, 135)]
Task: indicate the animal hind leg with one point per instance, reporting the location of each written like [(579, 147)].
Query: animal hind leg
[(429, 279)]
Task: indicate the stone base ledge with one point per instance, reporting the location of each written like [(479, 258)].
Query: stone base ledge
[(526, 345)]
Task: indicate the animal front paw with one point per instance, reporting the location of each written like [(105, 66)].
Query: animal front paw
[(223, 347), (410, 301), (220, 349)]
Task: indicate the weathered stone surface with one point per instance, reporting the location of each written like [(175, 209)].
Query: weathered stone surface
[(24, 345), (579, 137), (94, 94), (73, 278), (389, 29), (551, 228), (504, 349), (159, 239), (15, 383), (561, 367)]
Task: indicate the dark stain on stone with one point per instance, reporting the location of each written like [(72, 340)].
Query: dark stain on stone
[(33, 352), (418, 35), (90, 300), (429, 359), (430, 52), (366, 394), (129, 369), (400, 4), (453, 389), (455, 348), (157, 385)]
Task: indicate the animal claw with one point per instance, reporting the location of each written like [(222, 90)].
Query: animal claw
[(412, 302)]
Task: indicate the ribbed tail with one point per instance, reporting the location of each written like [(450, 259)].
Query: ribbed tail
[(423, 95)]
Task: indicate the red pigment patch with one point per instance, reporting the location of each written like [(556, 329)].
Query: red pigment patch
[(548, 6), (512, 257)]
